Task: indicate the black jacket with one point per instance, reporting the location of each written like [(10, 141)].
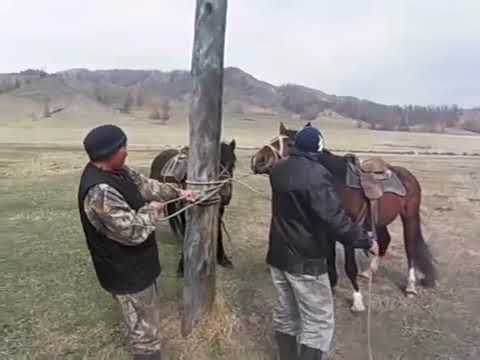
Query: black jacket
[(120, 269), (305, 209)]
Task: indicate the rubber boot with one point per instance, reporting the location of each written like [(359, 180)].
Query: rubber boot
[(287, 346), (307, 353)]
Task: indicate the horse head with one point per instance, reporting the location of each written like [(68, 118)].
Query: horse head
[(268, 155), (228, 161)]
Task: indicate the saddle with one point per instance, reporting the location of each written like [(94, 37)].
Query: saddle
[(175, 170), (374, 177)]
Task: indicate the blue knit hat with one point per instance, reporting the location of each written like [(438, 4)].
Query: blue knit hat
[(104, 141), (309, 139)]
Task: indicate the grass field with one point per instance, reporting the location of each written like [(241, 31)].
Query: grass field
[(53, 308)]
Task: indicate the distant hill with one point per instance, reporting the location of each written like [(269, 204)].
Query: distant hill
[(154, 90)]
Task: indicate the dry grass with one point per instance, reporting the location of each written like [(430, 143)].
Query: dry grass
[(53, 308)]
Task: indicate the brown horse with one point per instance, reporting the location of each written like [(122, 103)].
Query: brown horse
[(390, 206), (178, 223)]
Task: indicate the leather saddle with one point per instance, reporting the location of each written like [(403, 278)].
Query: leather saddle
[(374, 176)]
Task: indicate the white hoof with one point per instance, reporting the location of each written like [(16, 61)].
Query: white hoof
[(411, 290), (365, 274), (358, 305)]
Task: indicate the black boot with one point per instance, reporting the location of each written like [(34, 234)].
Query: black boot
[(307, 353), (287, 346), (153, 356)]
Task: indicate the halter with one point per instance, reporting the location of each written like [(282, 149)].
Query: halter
[(277, 153)]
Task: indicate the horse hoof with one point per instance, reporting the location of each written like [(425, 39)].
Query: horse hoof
[(365, 275), (358, 305), (411, 292), (357, 308), (226, 263)]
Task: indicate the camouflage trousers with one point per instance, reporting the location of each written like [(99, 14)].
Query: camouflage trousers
[(304, 308), (142, 317)]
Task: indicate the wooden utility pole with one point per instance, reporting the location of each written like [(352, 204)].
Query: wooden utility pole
[(204, 157)]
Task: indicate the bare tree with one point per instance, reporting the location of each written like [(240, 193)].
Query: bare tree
[(46, 108), (97, 93), (155, 114), (165, 111), (140, 97), (127, 104)]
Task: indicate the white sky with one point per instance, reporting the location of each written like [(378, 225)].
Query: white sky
[(391, 51)]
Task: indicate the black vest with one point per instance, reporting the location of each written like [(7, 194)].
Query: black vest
[(121, 269)]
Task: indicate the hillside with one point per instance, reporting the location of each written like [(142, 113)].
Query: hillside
[(37, 94)]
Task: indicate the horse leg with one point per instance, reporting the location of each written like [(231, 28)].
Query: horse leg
[(418, 254), (409, 229), (222, 258), (331, 261), (332, 265), (384, 239), (352, 272), (179, 226)]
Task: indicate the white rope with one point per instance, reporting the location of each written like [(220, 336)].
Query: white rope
[(262, 194), (210, 193), (369, 336)]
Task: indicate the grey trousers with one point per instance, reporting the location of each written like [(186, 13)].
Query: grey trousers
[(304, 308), (141, 315)]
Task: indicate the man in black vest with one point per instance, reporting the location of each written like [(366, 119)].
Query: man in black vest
[(119, 209), (305, 208)]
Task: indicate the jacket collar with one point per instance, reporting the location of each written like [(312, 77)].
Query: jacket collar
[(312, 156)]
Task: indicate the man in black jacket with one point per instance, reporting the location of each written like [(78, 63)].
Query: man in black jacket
[(304, 208)]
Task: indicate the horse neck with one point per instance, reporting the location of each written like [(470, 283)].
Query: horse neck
[(337, 166)]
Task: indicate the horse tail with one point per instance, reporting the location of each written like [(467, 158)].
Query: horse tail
[(423, 258)]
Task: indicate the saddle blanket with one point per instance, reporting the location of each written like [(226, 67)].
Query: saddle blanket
[(391, 184)]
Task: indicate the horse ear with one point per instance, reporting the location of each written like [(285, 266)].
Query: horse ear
[(233, 144), (283, 129)]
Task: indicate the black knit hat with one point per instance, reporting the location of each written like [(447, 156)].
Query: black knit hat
[(309, 139), (104, 141)]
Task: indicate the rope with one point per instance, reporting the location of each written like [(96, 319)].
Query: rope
[(369, 336), (370, 284), (210, 193), (229, 238), (262, 194)]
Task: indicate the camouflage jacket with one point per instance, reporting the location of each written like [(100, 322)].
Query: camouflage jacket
[(110, 214)]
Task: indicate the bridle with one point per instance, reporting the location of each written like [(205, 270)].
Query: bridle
[(278, 153)]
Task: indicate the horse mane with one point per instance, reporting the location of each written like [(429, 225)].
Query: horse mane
[(336, 164)]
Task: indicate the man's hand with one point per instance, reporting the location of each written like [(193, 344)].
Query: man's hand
[(158, 206), (374, 248), (190, 195)]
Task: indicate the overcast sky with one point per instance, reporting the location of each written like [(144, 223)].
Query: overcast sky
[(391, 51)]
